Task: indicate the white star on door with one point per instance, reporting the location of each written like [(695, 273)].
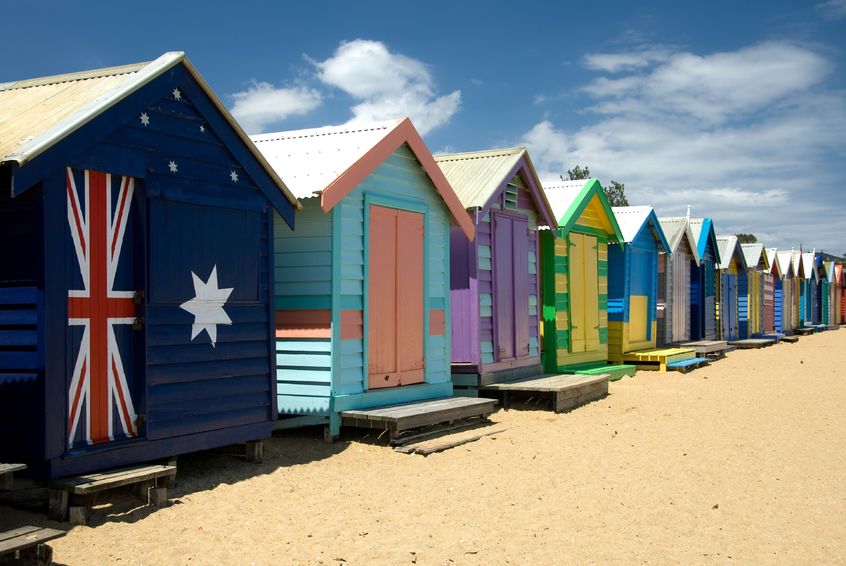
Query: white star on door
[(207, 306)]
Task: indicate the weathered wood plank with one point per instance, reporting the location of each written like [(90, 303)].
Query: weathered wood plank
[(25, 537), (93, 483)]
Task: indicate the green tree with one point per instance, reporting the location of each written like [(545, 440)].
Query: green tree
[(616, 193), (744, 238), (577, 173)]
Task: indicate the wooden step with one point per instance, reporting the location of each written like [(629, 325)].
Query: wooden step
[(658, 358), (790, 339), (614, 371), (566, 391), (753, 343), (713, 349), (685, 366), (25, 539), (398, 418)]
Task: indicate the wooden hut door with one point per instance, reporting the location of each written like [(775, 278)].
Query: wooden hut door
[(681, 295), (395, 294), (511, 275), (584, 293), (106, 385)]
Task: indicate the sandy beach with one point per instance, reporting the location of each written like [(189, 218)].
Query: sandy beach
[(740, 462)]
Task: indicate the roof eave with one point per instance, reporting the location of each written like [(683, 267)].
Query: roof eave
[(403, 132), (35, 147)]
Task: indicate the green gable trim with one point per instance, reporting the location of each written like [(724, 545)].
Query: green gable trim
[(592, 188)]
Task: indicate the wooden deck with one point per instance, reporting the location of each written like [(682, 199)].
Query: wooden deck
[(687, 365), (713, 349), (803, 330), (6, 471), (753, 343), (658, 358), (614, 371), (565, 391), (398, 418), (790, 339), (152, 482), (29, 543)]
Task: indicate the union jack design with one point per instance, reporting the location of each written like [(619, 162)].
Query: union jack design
[(99, 395)]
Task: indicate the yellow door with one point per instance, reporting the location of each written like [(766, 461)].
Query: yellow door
[(591, 269), (577, 293), (584, 294)]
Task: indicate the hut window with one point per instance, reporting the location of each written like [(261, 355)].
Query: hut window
[(509, 197)]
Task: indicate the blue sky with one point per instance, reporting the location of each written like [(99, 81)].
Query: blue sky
[(736, 108)]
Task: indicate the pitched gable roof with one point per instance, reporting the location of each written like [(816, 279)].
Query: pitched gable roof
[(809, 265), (633, 219), (36, 114), (479, 177), (775, 265), (330, 162), (676, 228), (755, 256), (704, 233), (570, 198), (729, 248), (785, 261)]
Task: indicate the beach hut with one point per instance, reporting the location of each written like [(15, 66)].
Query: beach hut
[(789, 282), (362, 302), (811, 290), (494, 284), (135, 304), (839, 294), (703, 281), (827, 292), (574, 280), (798, 302), (674, 270), (633, 282), (777, 273), (758, 268), (732, 278)]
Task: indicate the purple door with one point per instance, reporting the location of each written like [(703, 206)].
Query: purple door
[(511, 291)]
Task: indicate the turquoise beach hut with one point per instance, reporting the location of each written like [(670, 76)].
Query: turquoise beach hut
[(362, 297)]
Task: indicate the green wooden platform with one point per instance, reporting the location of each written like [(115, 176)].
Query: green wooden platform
[(614, 371)]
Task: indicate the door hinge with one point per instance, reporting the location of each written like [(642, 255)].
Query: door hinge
[(138, 324), (138, 297)]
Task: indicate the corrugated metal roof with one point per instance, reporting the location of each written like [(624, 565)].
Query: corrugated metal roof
[(309, 160), (674, 228), (630, 219), (772, 258), (753, 252), (476, 175), (810, 264), (31, 109), (785, 261), (37, 113), (726, 245), (562, 195)]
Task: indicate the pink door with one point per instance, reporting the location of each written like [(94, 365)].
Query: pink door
[(395, 294)]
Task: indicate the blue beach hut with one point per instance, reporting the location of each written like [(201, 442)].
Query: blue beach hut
[(136, 272)]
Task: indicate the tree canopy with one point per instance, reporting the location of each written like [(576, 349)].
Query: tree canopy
[(744, 238), (615, 192)]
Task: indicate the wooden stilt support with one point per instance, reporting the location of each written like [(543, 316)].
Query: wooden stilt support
[(255, 451)]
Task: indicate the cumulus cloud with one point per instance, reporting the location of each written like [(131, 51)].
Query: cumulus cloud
[(747, 137), (262, 105), (714, 87), (615, 62), (387, 85)]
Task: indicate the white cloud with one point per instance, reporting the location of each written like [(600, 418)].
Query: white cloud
[(715, 87), (616, 62), (387, 85), (832, 9), (751, 138), (263, 105)]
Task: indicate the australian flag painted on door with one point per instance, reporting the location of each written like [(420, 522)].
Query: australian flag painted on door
[(103, 389)]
